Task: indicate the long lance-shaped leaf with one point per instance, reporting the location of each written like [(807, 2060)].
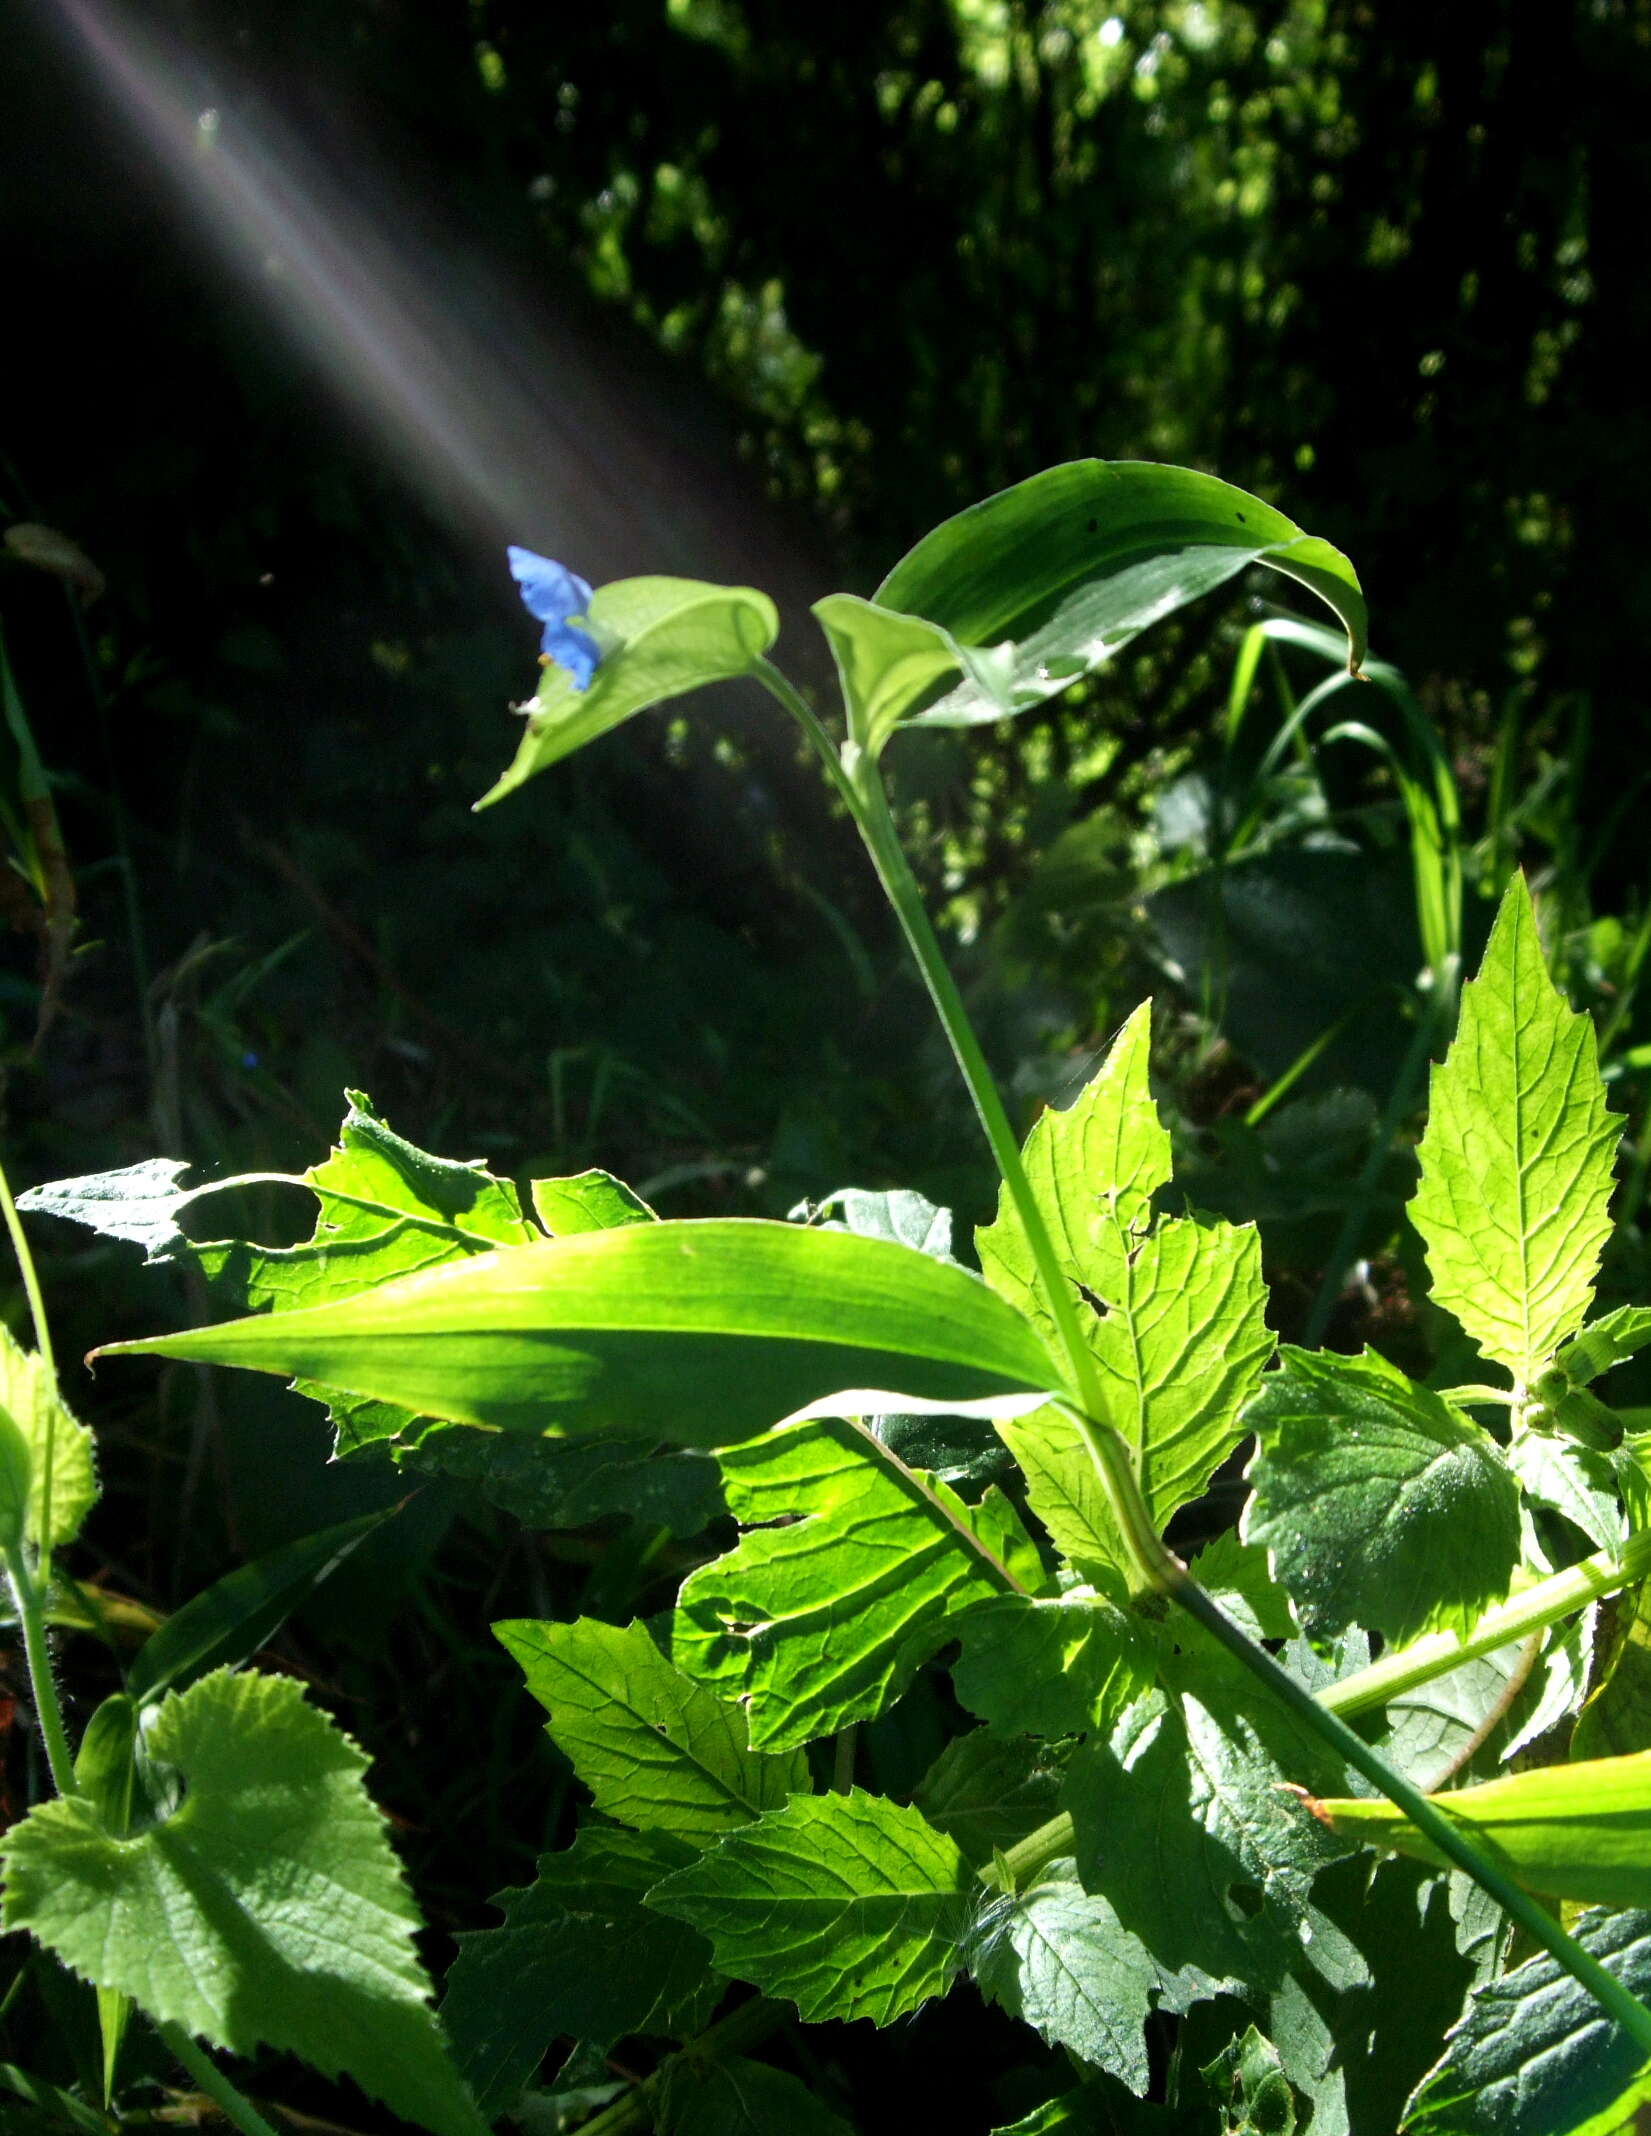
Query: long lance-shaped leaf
[(703, 1333), (1056, 575), (1568, 1831)]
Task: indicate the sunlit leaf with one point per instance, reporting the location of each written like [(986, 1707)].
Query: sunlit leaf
[(1051, 1668), (59, 1474)]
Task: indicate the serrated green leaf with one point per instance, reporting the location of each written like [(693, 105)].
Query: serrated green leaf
[(1379, 1504), (1607, 1341), (1065, 1492), (578, 1956), (659, 637), (1051, 1668), (568, 1483), (988, 1793), (31, 1400), (847, 1579), (1057, 1957), (733, 2096), (700, 1332), (886, 663), (1534, 2055), (588, 1201), (1616, 1721), (1577, 1481), (266, 1910), (655, 1749), (1239, 1576), (1186, 1822), (1568, 1831), (1516, 1159), (230, 1620), (847, 1905), (1058, 574)]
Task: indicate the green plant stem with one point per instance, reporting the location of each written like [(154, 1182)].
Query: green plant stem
[(857, 779), (745, 2027), (231, 2103)]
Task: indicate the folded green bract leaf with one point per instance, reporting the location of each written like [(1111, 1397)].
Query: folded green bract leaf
[(1516, 1159), (1379, 1504), (29, 1399), (1056, 575), (267, 1910), (848, 1578), (1534, 2055), (659, 638), (847, 1905), (655, 1749), (1568, 1831), (700, 1332)]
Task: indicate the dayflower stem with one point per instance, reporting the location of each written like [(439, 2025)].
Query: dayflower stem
[(856, 778), (230, 2102)]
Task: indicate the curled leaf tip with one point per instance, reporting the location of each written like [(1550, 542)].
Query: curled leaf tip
[(555, 596)]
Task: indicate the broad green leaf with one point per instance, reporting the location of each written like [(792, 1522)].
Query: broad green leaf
[(1058, 574), (1247, 2079), (1239, 1576), (1516, 1159), (733, 2096), (106, 1774), (848, 1577), (1065, 1492), (1534, 2055), (655, 1749), (139, 1202), (266, 1911), (1605, 1342), (1054, 1668), (1056, 1956), (230, 1620), (16, 1469), (568, 1483), (588, 1201), (988, 1793), (895, 1213), (659, 637), (847, 1905), (1092, 1168), (1186, 1822), (1568, 1831), (886, 663), (59, 1450), (579, 1957), (1577, 1481), (1379, 1504), (700, 1332), (1616, 1721)]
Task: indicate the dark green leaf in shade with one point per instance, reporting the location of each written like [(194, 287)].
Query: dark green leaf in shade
[(1050, 1668), (703, 1332), (1055, 1956), (659, 637), (568, 1483), (229, 1621), (848, 1577), (266, 1910), (1617, 1718), (588, 1201), (1380, 1505), (1534, 2055), (730, 2095), (577, 1956), (989, 1792), (656, 1750), (1056, 575), (1248, 2082), (847, 1905), (1103, 2107)]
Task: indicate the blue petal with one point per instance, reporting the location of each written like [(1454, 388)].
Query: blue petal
[(573, 650), (554, 594)]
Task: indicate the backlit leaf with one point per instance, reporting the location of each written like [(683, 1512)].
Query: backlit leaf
[(59, 1449)]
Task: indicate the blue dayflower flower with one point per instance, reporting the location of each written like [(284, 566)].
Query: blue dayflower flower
[(553, 593)]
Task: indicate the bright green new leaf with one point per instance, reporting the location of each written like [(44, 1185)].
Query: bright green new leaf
[(1534, 2055), (886, 663), (1053, 1668), (1056, 1956), (1379, 1504), (267, 1910), (700, 1332), (848, 1577), (989, 1793), (655, 1750), (588, 1201), (16, 1467), (847, 1905), (1516, 1159), (1605, 1342), (230, 1620), (578, 1957), (733, 2096), (1569, 1831), (1065, 1492), (1058, 574), (67, 1473), (659, 637)]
